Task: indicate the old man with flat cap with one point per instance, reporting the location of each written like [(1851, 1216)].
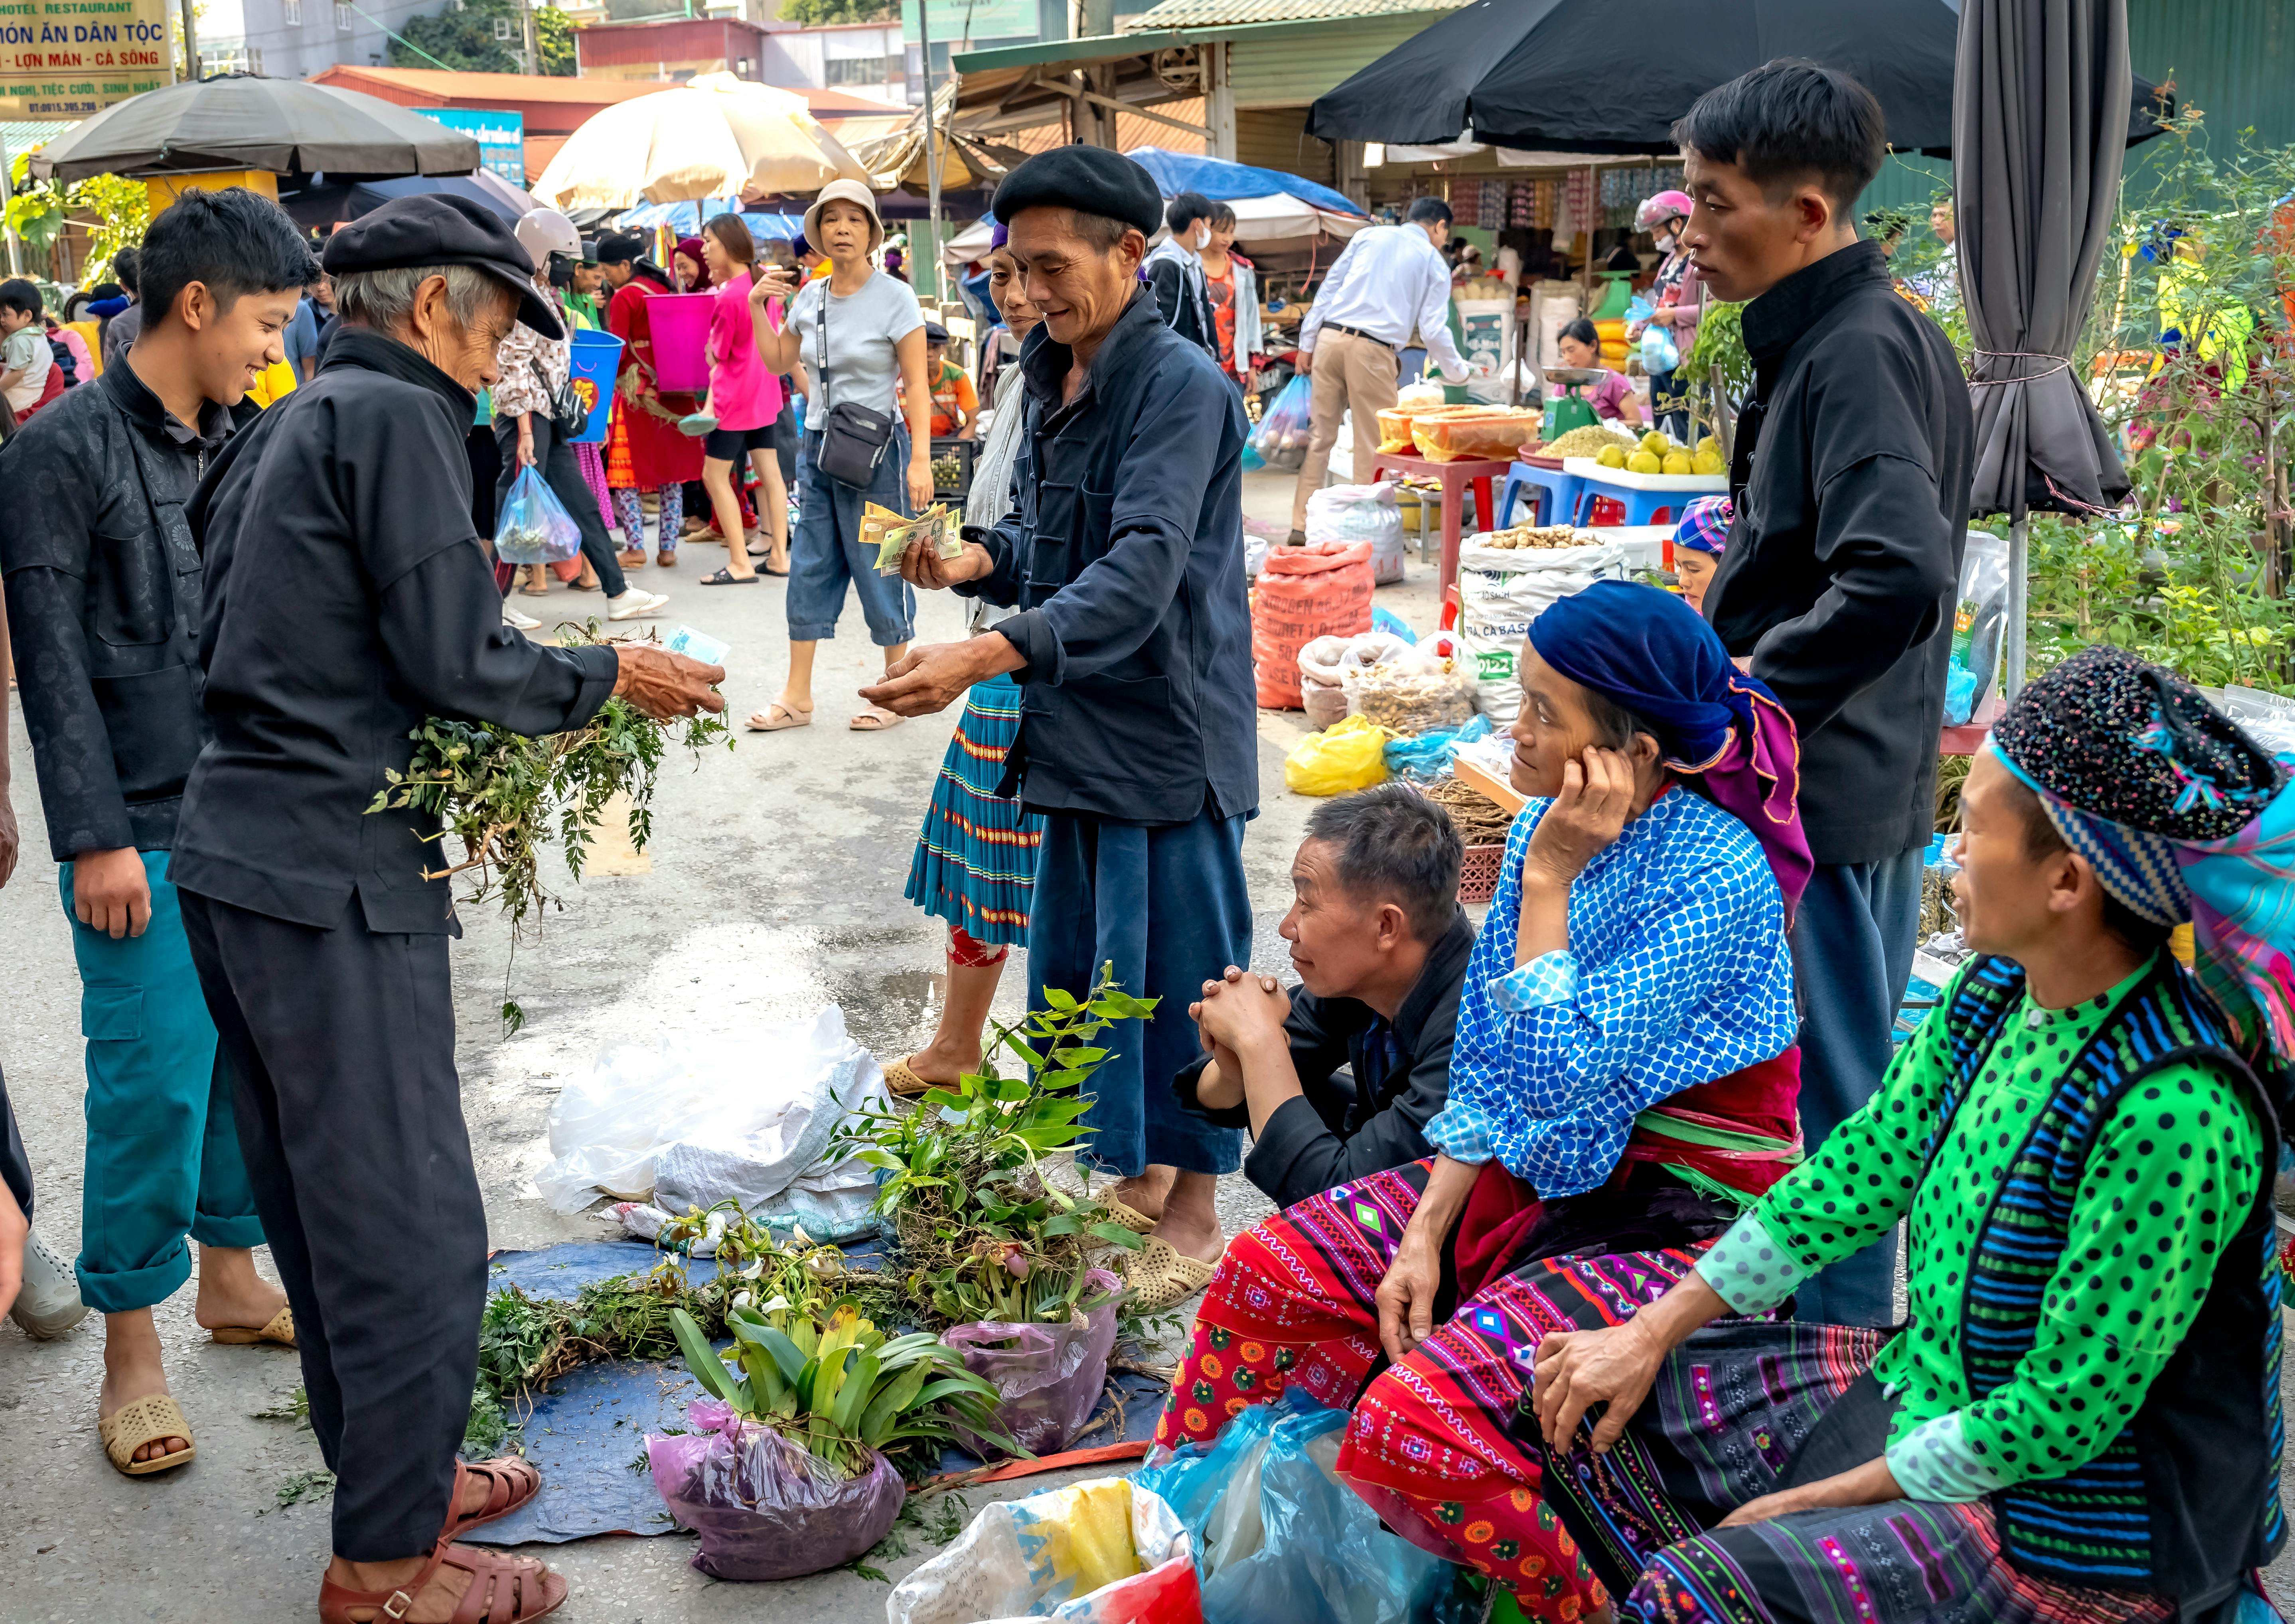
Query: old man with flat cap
[(1124, 553), (347, 598)]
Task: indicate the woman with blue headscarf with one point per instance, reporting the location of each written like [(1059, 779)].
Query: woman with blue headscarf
[(1623, 1083)]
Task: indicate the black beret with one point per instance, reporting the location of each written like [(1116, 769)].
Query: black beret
[(441, 229), (1090, 180)]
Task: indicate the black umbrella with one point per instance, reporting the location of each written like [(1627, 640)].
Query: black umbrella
[(2036, 182), (1612, 76), (239, 121)]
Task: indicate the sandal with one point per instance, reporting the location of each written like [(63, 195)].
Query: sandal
[(510, 1479), (503, 1590), (788, 718), (142, 1420), (904, 1081), (666, 558), (1162, 1277), (279, 1328), (633, 558), (875, 719), (724, 576), (1130, 1218)]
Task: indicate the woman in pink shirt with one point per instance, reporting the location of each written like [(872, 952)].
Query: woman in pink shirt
[(745, 399), (1613, 398)]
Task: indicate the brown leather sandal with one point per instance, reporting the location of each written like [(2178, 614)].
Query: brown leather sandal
[(503, 1590), (510, 1480)]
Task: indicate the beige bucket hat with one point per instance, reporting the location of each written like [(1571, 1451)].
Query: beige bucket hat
[(844, 192)]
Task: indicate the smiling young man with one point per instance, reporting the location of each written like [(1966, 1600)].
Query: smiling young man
[(105, 591), (1381, 945), (1850, 484)]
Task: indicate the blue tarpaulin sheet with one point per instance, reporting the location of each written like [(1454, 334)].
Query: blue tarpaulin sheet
[(586, 1432), (1221, 180), (685, 218)]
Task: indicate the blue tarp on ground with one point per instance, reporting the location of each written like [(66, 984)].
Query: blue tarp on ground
[(586, 1432), (1221, 180)]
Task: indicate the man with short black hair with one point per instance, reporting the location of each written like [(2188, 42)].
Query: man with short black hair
[(104, 596), (119, 329), (1381, 947), (1138, 739), (1175, 270), (1389, 283), (1851, 482)]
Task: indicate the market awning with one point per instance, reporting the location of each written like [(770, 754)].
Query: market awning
[(1224, 182), (239, 122), (1019, 87)]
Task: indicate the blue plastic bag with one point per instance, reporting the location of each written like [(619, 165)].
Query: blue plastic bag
[(1659, 352), (1383, 619), (534, 527), (1429, 756), (1277, 1536)]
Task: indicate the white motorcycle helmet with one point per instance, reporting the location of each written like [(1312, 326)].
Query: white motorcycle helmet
[(546, 232)]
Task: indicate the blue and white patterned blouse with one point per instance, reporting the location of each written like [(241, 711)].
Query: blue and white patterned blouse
[(1677, 973)]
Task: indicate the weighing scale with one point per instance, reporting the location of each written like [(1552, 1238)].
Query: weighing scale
[(1572, 410)]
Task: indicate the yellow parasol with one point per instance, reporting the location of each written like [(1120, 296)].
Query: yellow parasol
[(716, 138)]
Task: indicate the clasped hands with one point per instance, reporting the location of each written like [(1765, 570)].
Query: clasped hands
[(1236, 1012)]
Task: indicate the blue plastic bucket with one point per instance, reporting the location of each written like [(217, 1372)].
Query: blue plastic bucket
[(597, 357)]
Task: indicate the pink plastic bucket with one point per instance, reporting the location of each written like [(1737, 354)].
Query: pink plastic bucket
[(680, 340)]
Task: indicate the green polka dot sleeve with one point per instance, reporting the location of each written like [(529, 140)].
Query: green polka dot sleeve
[(2172, 1174)]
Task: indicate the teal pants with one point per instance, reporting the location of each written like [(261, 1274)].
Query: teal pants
[(163, 1159)]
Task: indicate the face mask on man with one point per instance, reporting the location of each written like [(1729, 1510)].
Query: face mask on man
[(1203, 239)]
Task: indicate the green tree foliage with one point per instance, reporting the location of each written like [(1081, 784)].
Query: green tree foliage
[(822, 13), (464, 38)]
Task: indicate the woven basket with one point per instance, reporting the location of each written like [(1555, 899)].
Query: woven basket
[(1478, 875)]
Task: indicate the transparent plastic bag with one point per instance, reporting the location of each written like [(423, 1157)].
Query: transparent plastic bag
[(1323, 700), (1281, 438), (1348, 755), (764, 1507), (1278, 1536), (1409, 695), (1429, 756), (1978, 620), (1098, 1552), (1048, 1378), (535, 528)]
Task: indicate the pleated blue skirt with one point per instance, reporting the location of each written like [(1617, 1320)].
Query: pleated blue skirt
[(976, 860)]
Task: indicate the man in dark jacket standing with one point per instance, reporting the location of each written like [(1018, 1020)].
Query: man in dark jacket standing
[(1175, 270), (1139, 736), (104, 589), (1851, 477), (349, 597)]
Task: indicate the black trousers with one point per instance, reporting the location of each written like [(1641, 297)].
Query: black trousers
[(15, 1166), (563, 475), (341, 1047)]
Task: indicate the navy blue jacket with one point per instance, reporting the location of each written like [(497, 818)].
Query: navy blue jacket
[(1124, 551)]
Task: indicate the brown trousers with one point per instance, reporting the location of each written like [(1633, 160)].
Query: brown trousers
[(1351, 374)]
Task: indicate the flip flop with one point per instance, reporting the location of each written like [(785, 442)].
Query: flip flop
[(788, 718), (875, 719), (726, 577), (142, 1420), (279, 1328), (1162, 1277)]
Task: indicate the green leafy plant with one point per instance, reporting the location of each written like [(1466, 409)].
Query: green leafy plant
[(982, 1233), (840, 1388)]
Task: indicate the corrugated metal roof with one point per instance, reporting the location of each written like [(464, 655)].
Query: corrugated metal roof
[(1295, 69), (1214, 13), (2232, 59)]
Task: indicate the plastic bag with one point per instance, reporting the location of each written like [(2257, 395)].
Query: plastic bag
[(1255, 555), (1050, 1377), (1304, 592), (1429, 756), (1099, 1551), (1278, 1536), (1361, 513), (1319, 693), (1346, 757), (1980, 618), (1281, 438), (535, 527), (1410, 695), (764, 1507), (1383, 619), (749, 1119)]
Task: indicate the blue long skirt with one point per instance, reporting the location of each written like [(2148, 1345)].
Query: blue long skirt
[(976, 860)]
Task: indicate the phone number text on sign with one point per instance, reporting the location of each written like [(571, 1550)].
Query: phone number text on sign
[(67, 59)]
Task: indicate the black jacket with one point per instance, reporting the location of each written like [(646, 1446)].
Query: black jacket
[(103, 608), (1850, 477), (348, 597), (1124, 553), (1342, 1128), (1180, 299)]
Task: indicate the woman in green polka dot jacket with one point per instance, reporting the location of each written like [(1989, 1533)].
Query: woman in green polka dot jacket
[(2080, 1420)]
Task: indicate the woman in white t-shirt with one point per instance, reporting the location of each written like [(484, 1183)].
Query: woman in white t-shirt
[(854, 332)]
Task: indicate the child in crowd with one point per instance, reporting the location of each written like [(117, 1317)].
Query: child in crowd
[(1581, 347), (1698, 541), (25, 358)]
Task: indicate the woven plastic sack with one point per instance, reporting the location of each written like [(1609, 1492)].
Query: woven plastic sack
[(1280, 440), (764, 1507), (1360, 513), (1048, 1378), (534, 527), (1501, 591), (1349, 756), (1098, 1552), (1320, 695), (1279, 1536), (1304, 593)]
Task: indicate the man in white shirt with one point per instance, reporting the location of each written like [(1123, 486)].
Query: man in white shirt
[(1391, 280)]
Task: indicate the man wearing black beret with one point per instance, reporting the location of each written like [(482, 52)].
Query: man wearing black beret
[(1138, 738), (347, 598)]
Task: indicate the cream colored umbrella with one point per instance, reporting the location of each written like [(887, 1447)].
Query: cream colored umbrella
[(717, 137)]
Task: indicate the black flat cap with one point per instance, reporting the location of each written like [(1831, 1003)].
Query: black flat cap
[(1091, 180), (440, 230)]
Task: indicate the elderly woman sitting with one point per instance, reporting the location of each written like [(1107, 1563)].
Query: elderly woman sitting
[(1623, 1080)]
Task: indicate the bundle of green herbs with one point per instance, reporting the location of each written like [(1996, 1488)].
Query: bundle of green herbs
[(981, 1232)]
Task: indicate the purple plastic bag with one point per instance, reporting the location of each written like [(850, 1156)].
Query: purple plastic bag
[(764, 1507), (1050, 1377)]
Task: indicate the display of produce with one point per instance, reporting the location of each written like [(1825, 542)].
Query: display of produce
[(1409, 696), (1591, 441), (1536, 535), (1481, 820), (947, 472), (1485, 431), (1394, 430)]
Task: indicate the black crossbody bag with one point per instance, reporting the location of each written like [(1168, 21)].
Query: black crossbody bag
[(854, 438)]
